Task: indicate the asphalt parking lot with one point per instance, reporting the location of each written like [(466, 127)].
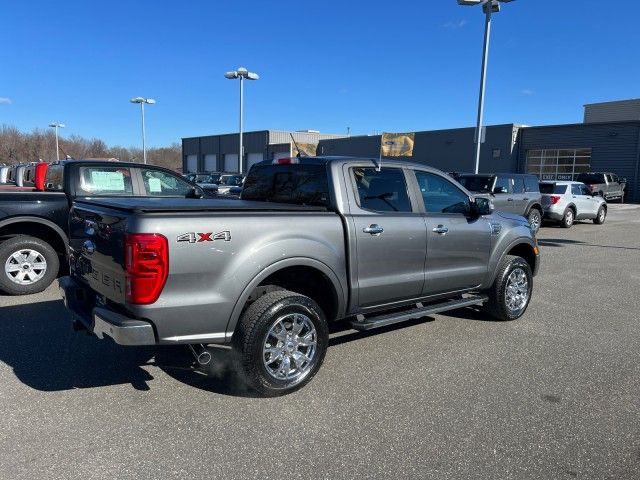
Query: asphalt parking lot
[(553, 395)]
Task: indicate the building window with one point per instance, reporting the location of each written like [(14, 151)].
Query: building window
[(558, 164)]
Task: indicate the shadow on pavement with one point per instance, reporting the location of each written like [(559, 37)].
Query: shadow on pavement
[(46, 354), (562, 242)]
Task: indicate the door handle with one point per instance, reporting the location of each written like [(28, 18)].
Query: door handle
[(373, 229), (509, 199), (441, 229), (526, 199)]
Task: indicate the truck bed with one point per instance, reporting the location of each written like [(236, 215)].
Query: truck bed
[(169, 204)]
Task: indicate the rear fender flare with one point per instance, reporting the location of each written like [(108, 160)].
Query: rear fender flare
[(273, 268), (40, 221)]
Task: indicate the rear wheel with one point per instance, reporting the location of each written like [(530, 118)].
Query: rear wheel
[(29, 265), (601, 216), (568, 218), (280, 342), (510, 293), (535, 219)]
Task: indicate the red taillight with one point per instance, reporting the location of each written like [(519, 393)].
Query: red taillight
[(146, 266), (555, 199)]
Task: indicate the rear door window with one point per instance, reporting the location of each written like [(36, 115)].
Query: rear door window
[(382, 191), (531, 183), (575, 189), (106, 181), (163, 184), (518, 185)]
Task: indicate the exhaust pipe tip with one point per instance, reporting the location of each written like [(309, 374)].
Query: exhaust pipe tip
[(204, 359)]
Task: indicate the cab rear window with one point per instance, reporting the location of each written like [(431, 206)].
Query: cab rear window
[(298, 184), (105, 181)]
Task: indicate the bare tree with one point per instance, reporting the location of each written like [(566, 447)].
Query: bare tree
[(16, 147)]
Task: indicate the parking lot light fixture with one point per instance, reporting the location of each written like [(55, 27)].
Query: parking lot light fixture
[(489, 7), (57, 126), (242, 74), (142, 101)]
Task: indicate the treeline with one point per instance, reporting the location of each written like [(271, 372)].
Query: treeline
[(16, 147)]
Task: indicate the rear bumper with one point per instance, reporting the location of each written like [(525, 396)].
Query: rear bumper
[(101, 320), (553, 212)]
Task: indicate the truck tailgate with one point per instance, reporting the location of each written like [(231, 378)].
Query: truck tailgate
[(96, 239)]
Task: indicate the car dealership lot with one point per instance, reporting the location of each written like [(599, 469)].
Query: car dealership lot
[(555, 394)]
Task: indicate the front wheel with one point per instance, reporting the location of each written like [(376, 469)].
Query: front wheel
[(280, 342), (510, 293), (601, 216), (535, 219), (29, 265)]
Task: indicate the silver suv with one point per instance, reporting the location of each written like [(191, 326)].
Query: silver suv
[(566, 202)]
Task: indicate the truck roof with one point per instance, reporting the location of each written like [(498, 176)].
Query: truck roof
[(326, 159)]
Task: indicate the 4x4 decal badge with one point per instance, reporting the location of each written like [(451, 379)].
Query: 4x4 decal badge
[(194, 237)]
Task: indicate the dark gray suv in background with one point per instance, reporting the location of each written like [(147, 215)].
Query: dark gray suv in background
[(510, 192)]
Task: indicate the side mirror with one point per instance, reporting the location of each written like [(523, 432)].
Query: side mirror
[(482, 206), (500, 190), (196, 192)]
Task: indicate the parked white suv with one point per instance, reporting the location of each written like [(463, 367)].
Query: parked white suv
[(566, 202)]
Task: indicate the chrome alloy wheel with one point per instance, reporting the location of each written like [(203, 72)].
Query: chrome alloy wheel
[(601, 215), (535, 221), (517, 290), (569, 217), (290, 347), (25, 267)]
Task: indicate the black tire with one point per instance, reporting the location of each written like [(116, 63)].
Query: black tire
[(38, 279), (568, 218), (251, 337), (497, 305), (601, 216), (535, 219)]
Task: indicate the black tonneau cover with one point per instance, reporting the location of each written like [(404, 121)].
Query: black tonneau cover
[(171, 204)]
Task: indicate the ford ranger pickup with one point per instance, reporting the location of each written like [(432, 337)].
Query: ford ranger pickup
[(311, 241)]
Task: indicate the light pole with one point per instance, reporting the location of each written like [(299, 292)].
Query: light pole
[(241, 73), (57, 126), (142, 101), (489, 7)]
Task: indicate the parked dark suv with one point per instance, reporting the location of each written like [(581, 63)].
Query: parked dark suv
[(510, 192)]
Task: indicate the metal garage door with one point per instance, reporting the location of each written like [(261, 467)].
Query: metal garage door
[(192, 163), (231, 162), (210, 163), (253, 158)]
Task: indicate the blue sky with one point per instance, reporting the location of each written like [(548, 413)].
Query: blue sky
[(326, 65)]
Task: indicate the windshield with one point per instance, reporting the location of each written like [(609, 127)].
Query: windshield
[(231, 180), (477, 183), (552, 188), (590, 178)]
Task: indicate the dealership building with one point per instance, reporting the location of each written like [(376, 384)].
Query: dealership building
[(608, 140)]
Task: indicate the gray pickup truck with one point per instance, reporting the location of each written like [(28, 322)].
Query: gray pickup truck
[(311, 241), (608, 185)]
